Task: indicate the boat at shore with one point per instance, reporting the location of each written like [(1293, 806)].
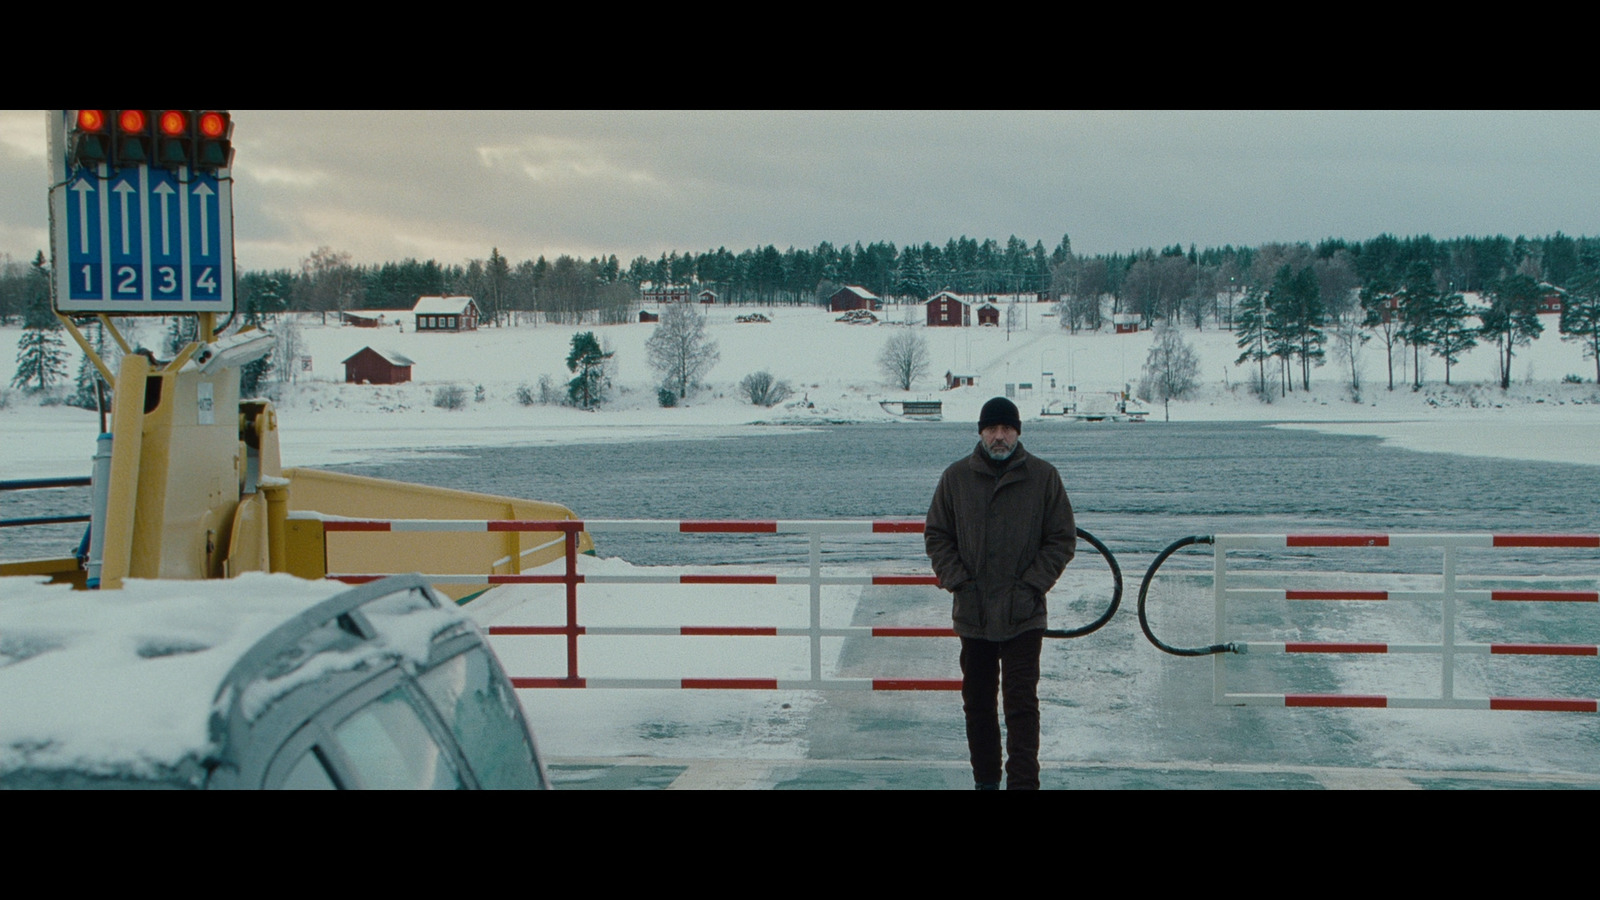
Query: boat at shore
[(1097, 406), (921, 410)]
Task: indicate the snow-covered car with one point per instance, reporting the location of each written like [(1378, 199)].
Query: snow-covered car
[(262, 681)]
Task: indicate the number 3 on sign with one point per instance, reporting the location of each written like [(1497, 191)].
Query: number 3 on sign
[(166, 282)]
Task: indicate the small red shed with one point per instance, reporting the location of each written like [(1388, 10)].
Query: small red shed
[(989, 314), (369, 366), (851, 297)]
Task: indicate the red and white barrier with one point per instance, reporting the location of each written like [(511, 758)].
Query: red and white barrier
[(814, 579), (1450, 597)]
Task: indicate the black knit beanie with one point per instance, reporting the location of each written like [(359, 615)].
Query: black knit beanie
[(1000, 411)]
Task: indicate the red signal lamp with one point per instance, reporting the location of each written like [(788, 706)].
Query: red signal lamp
[(132, 144), (87, 140), (174, 143)]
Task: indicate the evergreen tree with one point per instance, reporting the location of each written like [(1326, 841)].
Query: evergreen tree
[(1580, 311), (181, 332), (1297, 317), (1250, 323), (1452, 334), (1512, 318), (1420, 312), (41, 354), (86, 393), (588, 361)]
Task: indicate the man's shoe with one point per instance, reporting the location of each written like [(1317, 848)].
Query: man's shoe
[(986, 786)]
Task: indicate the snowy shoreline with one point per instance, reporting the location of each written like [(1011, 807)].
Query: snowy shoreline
[(832, 369)]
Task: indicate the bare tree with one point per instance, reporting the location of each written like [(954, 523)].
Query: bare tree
[(764, 390), (1171, 371), (328, 283), (679, 350), (904, 358)]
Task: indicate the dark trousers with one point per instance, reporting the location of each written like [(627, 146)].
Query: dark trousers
[(986, 668)]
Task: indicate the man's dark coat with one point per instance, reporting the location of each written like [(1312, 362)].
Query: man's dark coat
[(998, 540)]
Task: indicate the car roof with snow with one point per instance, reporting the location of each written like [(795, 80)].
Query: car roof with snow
[(163, 682)]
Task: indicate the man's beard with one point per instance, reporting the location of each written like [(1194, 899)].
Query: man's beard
[(999, 451)]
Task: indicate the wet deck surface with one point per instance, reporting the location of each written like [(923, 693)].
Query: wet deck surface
[(640, 774)]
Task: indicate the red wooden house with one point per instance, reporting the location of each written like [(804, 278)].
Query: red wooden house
[(946, 310)]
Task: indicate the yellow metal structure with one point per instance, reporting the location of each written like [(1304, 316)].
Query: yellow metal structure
[(197, 490), (314, 495)]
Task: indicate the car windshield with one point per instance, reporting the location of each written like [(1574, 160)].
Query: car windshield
[(482, 714)]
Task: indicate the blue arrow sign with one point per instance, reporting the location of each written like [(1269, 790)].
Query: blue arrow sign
[(125, 232), (85, 262), (205, 239), (165, 205), (139, 239)]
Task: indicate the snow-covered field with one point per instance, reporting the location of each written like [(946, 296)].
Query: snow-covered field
[(833, 369)]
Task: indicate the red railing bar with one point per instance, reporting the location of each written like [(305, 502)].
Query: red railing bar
[(1545, 649), (1336, 540)]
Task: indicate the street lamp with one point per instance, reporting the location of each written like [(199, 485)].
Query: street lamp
[(1072, 368)]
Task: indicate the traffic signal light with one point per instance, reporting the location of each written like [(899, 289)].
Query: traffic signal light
[(213, 140), (131, 146), (199, 139), (88, 138), (174, 138)]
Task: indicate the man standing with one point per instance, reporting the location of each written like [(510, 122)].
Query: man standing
[(999, 533)]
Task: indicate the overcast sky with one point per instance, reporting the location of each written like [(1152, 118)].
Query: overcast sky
[(449, 185)]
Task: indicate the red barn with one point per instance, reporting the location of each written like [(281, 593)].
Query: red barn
[(851, 297), (369, 366), (989, 314)]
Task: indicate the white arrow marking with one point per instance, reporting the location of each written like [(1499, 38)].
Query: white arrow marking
[(205, 233), (123, 189), (84, 189), (165, 191)]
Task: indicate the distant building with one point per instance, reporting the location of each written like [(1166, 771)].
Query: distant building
[(646, 315), (1125, 323), (947, 310), (952, 380), (852, 297), (1550, 300), (446, 314), (369, 366), (708, 296), (989, 314), (360, 320), (669, 293)]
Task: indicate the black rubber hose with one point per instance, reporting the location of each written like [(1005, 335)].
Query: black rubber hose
[(1144, 590), (1116, 593)]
